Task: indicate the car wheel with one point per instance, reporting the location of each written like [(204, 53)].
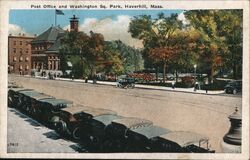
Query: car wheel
[(61, 127), (234, 91), (76, 133)]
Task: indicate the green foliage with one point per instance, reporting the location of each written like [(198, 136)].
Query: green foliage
[(91, 54), (220, 44), (131, 57)]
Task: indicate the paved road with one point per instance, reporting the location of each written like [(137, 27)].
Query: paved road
[(204, 114)]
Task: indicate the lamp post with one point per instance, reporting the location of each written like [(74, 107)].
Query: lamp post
[(195, 77)]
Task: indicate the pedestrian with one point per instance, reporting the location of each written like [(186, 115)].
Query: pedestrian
[(173, 84), (206, 84)]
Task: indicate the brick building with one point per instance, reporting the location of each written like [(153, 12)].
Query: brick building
[(45, 47), (19, 54), (44, 56)]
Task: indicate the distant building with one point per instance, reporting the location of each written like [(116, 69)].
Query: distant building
[(45, 47), (19, 54)]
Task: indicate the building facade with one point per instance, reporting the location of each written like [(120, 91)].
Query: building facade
[(45, 47), (19, 54), (42, 58)]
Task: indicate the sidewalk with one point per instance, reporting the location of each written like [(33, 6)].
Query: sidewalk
[(188, 90)]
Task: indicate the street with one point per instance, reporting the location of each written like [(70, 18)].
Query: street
[(177, 111)]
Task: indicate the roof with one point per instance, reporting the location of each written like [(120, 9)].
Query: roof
[(55, 102), (151, 131), (107, 119), (76, 109), (132, 123), (99, 111), (20, 89), (42, 96), (50, 35), (30, 93), (55, 47), (184, 138)]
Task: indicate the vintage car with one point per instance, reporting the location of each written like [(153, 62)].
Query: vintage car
[(48, 109), (96, 130), (29, 100), (14, 99), (139, 139), (126, 83), (116, 138), (181, 141), (76, 121), (233, 87)]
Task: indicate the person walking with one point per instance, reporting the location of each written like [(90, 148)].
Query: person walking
[(206, 84), (173, 84)]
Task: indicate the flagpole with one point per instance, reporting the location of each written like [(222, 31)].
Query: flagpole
[(55, 18)]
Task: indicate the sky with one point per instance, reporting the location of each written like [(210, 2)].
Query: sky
[(113, 24)]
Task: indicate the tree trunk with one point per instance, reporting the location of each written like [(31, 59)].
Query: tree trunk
[(176, 76), (164, 71), (156, 73), (211, 75)]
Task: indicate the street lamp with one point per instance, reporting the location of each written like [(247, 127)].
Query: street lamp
[(195, 77)]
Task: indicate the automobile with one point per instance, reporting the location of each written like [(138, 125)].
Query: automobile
[(67, 121), (75, 121), (139, 139), (181, 141), (96, 130), (116, 138), (49, 108), (29, 101), (233, 87), (14, 99), (126, 83)]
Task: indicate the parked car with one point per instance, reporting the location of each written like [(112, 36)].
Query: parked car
[(28, 98), (140, 139), (233, 87), (116, 138), (75, 121), (14, 100), (181, 141), (96, 130), (67, 122), (50, 108)]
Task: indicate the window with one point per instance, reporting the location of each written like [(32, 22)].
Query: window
[(21, 42), (20, 67), (27, 67), (14, 42), (21, 50), (14, 59), (21, 59), (27, 50), (27, 59), (14, 50), (27, 43)]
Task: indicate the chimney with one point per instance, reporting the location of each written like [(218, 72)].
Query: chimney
[(74, 24)]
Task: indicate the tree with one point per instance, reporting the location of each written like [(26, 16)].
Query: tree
[(220, 43), (156, 35), (91, 50)]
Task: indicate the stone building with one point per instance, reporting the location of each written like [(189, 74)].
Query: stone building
[(19, 54)]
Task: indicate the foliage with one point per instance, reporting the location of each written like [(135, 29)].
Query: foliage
[(92, 51), (220, 39)]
